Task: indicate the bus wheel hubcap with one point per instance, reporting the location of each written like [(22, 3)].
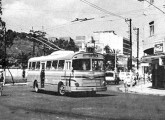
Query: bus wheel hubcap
[(62, 90)]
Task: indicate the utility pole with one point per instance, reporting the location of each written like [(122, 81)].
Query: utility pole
[(130, 35), (137, 29), (33, 43), (43, 36)]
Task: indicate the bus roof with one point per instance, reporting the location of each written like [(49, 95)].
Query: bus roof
[(59, 55)]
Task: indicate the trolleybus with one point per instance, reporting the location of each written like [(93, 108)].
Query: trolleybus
[(67, 72)]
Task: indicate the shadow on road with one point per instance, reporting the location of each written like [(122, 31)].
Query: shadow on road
[(76, 95)]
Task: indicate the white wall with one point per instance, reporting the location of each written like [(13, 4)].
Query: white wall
[(15, 72), (110, 39)]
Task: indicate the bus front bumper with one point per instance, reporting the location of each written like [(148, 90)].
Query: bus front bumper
[(83, 89)]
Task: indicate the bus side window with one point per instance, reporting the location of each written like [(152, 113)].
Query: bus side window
[(33, 65), (48, 65), (38, 65), (61, 64), (54, 64)]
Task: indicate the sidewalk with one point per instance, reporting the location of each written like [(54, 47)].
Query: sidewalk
[(145, 89)]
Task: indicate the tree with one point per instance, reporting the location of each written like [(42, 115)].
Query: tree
[(66, 44), (6, 40), (110, 58)]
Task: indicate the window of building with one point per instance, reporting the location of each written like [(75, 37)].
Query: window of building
[(151, 25)]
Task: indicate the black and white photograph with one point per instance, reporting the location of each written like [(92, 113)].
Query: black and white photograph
[(82, 59)]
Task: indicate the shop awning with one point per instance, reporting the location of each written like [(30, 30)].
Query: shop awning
[(149, 51), (148, 59)]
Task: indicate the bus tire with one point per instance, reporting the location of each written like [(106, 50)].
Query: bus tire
[(36, 87), (61, 89), (91, 93)]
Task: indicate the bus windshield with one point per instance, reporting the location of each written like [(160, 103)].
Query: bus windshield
[(81, 64), (84, 64), (97, 64)]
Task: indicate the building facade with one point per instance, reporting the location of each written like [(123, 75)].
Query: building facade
[(154, 41), (154, 26)]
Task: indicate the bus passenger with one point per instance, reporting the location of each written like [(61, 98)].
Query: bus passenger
[(84, 67)]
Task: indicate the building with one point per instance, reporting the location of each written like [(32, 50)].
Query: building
[(103, 38), (153, 26), (154, 41), (114, 41), (80, 42)]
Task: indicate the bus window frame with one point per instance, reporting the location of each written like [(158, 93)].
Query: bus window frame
[(68, 65), (38, 65), (97, 60), (48, 67), (53, 68), (81, 69), (62, 66), (33, 67), (29, 66)]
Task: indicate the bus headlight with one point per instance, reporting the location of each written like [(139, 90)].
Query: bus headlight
[(104, 83), (76, 84)]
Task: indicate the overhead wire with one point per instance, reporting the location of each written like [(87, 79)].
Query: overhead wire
[(95, 6), (101, 9)]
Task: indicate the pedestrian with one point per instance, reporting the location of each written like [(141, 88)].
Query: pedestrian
[(42, 76), (23, 73), (126, 81), (1, 82)]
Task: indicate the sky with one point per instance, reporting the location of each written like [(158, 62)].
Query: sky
[(55, 16)]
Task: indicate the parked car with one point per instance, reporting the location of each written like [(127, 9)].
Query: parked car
[(111, 77)]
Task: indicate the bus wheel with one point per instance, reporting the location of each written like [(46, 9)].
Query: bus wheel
[(91, 93), (36, 86), (61, 89)]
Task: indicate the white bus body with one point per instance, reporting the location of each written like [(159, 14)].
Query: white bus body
[(66, 71)]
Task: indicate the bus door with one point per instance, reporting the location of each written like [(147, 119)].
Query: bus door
[(42, 75), (68, 73)]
